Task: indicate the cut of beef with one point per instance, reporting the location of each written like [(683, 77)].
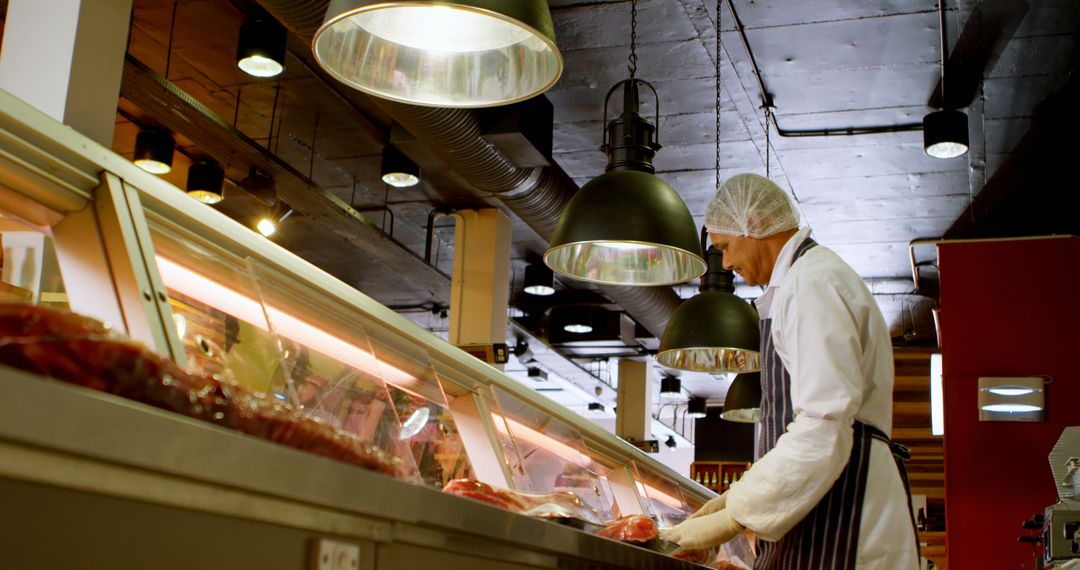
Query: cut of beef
[(81, 351), (633, 528)]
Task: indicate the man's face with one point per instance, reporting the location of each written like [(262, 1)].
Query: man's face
[(746, 256)]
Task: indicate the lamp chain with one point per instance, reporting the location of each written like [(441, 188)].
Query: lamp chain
[(718, 5), (633, 39)]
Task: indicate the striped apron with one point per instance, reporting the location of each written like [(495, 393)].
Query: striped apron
[(828, 538)]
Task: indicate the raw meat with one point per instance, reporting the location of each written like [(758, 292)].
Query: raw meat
[(81, 351), (633, 528), (561, 505), (486, 493), (696, 555)]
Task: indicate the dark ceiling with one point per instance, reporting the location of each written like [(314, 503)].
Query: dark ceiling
[(827, 64)]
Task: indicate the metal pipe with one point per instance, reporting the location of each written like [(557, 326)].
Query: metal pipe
[(537, 196), (938, 241), (767, 101), (430, 232)]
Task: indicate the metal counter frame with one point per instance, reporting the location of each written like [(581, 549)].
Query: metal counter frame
[(57, 439)]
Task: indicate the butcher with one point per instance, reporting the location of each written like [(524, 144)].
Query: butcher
[(828, 488)]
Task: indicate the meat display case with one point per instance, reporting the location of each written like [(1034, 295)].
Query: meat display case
[(92, 480)]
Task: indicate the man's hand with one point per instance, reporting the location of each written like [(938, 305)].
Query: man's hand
[(704, 531), (714, 505)]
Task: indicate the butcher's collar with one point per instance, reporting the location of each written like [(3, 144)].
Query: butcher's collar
[(780, 269)]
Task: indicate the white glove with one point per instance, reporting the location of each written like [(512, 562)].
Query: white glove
[(703, 531), (714, 505)]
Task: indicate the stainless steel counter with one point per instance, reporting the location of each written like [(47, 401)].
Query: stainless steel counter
[(90, 480)]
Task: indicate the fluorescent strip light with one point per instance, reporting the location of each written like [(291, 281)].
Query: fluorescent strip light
[(526, 433), (650, 492), (937, 397), (196, 286)]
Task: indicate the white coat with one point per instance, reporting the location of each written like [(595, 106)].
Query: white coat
[(832, 339)]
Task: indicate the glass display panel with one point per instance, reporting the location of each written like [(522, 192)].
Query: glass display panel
[(29, 272), (427, 425), (553, 455), (313, 351), (663, 499)]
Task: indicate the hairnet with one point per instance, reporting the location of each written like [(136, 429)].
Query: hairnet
[(750, 205)]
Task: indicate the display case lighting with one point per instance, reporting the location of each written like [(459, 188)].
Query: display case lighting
[(206, 290)]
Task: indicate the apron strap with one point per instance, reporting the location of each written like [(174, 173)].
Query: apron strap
[(901, 455)]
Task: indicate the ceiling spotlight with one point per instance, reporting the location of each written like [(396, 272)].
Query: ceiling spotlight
[(670, 442), (463, 53), (268, 225), (539, 280), (714, 331), (154, 151), (398, 170), (577, 328), (696, 407), (206, 182), (670, 388), (261, 49), (945, 134), (596, 407), (537, 374), (743, 401)]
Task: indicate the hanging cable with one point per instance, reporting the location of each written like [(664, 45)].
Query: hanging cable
[(768, 143), (172, 28), (633, 39), (944, 49), (718, 50)]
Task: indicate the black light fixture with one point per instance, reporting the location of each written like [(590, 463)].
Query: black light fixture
[(596, 407), (945, 132), (261, 49), (397, 169), (579, 320), (670, 442), (154, 150), (743, 401), (670, 388), (539, 280), (537, 374), (695, 408), (460, 53), (713, 331), (626, 226), (206, 181)]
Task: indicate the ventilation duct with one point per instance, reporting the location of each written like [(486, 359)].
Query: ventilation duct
[(536, 195), (181, 113)]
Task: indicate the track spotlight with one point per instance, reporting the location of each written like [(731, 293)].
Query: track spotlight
[(206, 182), (154, 151), (261, 49), (399, 170), (539, 279)]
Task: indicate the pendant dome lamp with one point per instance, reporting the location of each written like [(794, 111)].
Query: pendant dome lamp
[(743, 401), (627, 226), (437, 53), (713, 331)]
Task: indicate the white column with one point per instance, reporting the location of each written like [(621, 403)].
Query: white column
[(480, 287), (66, 57), (633, 418)]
